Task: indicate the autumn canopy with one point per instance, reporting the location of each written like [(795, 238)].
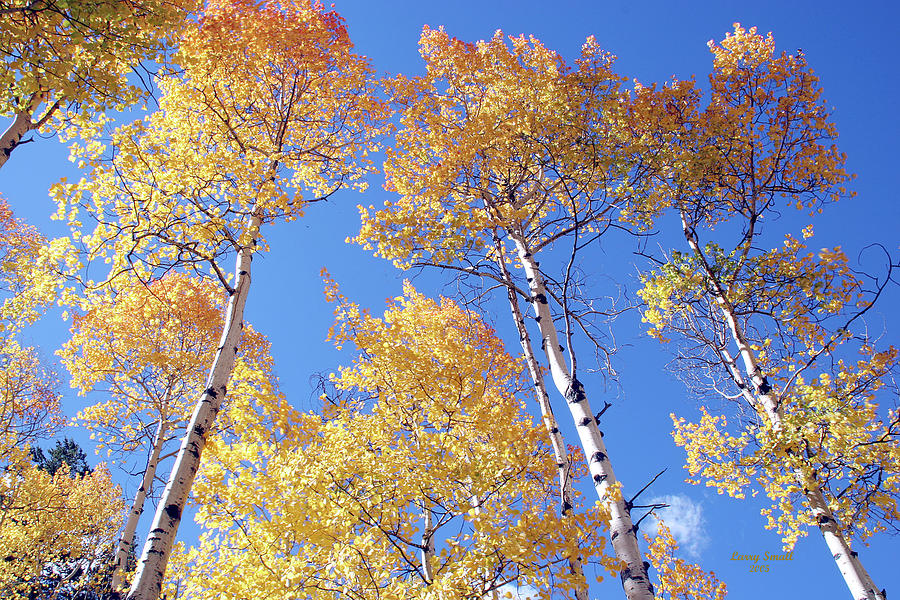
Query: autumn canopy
[(462, 441)]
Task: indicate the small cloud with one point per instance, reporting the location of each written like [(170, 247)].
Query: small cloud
[(521, 592), (684, 518)]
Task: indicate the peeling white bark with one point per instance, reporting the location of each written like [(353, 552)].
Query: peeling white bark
[(855, 576), (137, 506), (151, 569), (622, 532)]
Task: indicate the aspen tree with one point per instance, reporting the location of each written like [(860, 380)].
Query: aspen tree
[(270, 110), (564, 465), (149, 350), (780, 323), (423, 477), (66, 62), (502, 138)]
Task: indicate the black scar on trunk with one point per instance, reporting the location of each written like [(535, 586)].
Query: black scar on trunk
[(575, 393), (824, 519), (174, 511), (627, 574)]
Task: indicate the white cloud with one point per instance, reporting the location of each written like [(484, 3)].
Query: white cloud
[(684, 518), (524, 592)]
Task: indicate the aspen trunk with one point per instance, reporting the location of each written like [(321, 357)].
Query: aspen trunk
[(855, 576), (151, 569), (137, 507), (427, 545), (21, 125), (622, 531), (549, 419)]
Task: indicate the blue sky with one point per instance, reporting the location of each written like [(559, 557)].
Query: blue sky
[(853, 49)]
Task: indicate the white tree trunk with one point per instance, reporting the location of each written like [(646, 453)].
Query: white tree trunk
[(427, 545), (21, 125), (622, 531), (152, 565), (856, 577), (137, 507), (563, 465)]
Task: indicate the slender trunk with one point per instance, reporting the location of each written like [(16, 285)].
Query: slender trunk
[(855, 576), (137, 507), (23, 123), (152, 565), (13, 135), (427, 545), (622, 531), (563, 464)]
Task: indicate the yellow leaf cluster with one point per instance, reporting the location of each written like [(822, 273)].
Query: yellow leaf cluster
[(149, 349), (679, 579), (29, 402), (426, 420), (832, 438), (763, 137), (499, 133), (45, 518), (787, 286), (27, 284), (64, 62), (268, 104)]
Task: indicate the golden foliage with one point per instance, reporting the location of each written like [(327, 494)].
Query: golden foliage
[(679, 579), (149, 349), (832, 435), (426, 419), (269, 104), (46, 518), (29, 402), (763, 137), (499, 133), (800, 291), (43, 517), (65, 61)]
